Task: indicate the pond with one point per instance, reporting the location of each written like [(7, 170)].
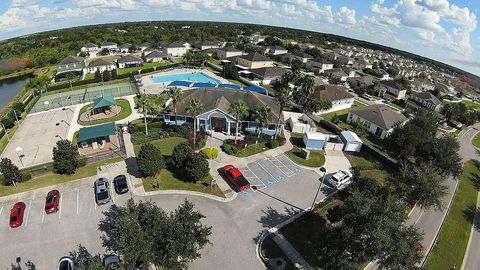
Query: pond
[(9, 88)]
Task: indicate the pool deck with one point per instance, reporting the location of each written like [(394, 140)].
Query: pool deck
[(150, 87)]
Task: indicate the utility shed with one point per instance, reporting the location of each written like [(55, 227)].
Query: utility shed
[(351, 141), (314, 140)]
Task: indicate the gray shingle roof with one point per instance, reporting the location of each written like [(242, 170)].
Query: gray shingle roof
[(129, 59), (100, 63), (255, 57), (269, 72), (380, 115), (427, 96), (331, 92), (155, 54), (72, 60), (91, 45)]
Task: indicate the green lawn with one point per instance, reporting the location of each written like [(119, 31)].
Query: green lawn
[(471, 105), (89, 76), (252, 150), (476, 140), (51, 178), (124, 113), (165, 145), (4, 140), (369, 166), (317, 159), (121, 71), (453, 239), (342, 113)]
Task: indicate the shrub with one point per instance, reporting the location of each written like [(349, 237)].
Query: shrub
[(273, 144), (181, 153), (10, 172), (25, 176), (82, 162), (211, 153), (65, 157), (7, 122), (201, 143), (250, 138), (229, 149), (150, 160), (19, 107), (196, 167)]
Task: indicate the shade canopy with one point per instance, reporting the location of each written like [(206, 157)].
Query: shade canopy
[(88, 133), (257, 89), (231, 86), (204, 84), (103, 102), (180, 83)]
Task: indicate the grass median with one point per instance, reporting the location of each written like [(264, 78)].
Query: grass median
[(453, 239), (476, 140), (316, 159)]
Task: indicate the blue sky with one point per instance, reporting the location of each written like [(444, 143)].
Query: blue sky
[(445, 30)]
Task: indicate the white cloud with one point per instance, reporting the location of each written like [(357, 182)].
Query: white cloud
[(346, 16)]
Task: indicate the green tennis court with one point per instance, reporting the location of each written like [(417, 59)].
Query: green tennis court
[(80, 96)]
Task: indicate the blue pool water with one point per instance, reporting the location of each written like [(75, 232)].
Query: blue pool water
[(193, 77)]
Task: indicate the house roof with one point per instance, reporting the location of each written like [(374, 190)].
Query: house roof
[(129, 59), (91, 45), (350, 137), (255, 57), (103, 102), (101, 62), (108, 43), (145, 44), (126, 46), (315, 136), (393, 84), (277, 48), (88, 133), (427, 96), (268, 72), (380, 115), (72, 60), (176, 44), (331, 92), (337, 72), (229, 49), (155, 54), (221, 98)]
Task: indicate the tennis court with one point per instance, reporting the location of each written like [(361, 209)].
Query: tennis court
[(54, 101)]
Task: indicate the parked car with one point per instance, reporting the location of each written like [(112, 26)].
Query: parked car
[(102, 191), (341, 179), (65, 263), (367, 97), (51, 201), (16, 214), (236, 178), (111, 261), (120, 184)]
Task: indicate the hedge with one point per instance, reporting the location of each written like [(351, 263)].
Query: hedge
[(67, 85)]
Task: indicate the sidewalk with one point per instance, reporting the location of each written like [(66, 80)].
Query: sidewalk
[(291, 252)]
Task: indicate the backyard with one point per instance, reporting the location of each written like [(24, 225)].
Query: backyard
[(369, 166), (342, 113)]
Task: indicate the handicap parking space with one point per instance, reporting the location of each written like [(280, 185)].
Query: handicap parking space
[(289, 164)]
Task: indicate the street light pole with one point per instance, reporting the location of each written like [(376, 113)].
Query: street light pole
[(6, 133), (322, 169)]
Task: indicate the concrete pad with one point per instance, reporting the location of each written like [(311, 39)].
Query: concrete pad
[(37, 135)]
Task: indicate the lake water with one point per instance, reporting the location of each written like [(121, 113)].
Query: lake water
[(9, 88)]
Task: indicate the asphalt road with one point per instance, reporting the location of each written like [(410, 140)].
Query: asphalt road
[(471, 260), (43, 239)]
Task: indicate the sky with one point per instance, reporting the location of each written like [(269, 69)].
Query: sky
[(445, 30)]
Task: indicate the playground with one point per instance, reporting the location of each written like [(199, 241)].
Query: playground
[(86, 95)]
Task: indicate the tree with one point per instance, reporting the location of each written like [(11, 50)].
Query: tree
[(317, 105), (296, 65), (421, 184), (11, 174), (150, 160), (19, 107), (143, 233), (70, 77), (104, 51), (175, 94), (65, 157), (443, 153), (181, 153), (230, 71), (194, 108), (306, 88), (188, 57), (403, 246), (262, 116), (84, 260), (284, 98), (98, 76), (106, 75), (239, 109), (196, 167), (114, 73)]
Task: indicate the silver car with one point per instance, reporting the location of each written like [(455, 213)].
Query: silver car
[(102, 191), (65, 263)]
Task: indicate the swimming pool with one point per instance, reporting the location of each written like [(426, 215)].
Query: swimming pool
[(192, 77)]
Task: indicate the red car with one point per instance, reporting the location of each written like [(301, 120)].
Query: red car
[(236, 178), (16, 215), (51, 201)]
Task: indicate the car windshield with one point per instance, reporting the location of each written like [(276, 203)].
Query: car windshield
[(50, 198), (102, 195), (13, 218)]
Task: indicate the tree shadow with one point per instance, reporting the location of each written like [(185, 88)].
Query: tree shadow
[(272, 217), (28, 265), (132, 167), (110, 216), (469, 214)]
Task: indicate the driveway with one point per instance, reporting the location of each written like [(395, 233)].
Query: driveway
[(236, 224)]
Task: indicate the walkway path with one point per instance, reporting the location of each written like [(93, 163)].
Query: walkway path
[(291, 252)]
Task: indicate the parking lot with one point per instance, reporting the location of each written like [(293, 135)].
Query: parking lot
[(36, 136), (78, 214), (268, 172)]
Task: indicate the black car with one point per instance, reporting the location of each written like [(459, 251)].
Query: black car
[(120, 183)]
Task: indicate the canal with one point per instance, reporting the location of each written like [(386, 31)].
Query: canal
[(9, 88)]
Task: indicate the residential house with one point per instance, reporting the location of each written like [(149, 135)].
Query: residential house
[(156, 56), (256, 38), (143, 46), (318, 65), (421, 85), (391, 90), (71, 64), (216, 103), (177, 48), (377, 119), (336, 73), (300, 56), (269, 75), (361, 82), (110, 46), (90, 47), (224, 53), (125, 48), (423, 100), (361, 64), (384, 75), (253, 61), (129, 61), (101, 65), (339, 96), (204, 45), (276, 50)]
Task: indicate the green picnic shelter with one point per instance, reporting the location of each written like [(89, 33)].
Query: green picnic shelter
[(101, 104), (89, 135)]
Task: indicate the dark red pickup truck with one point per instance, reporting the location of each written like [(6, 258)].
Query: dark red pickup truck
[(236, 178)]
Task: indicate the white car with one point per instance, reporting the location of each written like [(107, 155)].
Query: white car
[(341, 179), (65, 263)]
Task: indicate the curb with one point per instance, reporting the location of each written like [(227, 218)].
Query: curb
[(465, 256), (191, 193)]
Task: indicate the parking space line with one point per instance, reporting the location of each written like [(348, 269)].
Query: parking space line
[(43, 215), (1, 210), (256, 176), (28, 212), (278, 169), (78, 194), (267, 171), (283, 165), (60, 210)]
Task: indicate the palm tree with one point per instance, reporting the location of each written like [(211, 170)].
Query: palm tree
[(70, 76), (284, 98), (175, 94), (262, 116), (143, 104), (194, 107), (306, 89), (153, 104), (188, 56), (238, 109)]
